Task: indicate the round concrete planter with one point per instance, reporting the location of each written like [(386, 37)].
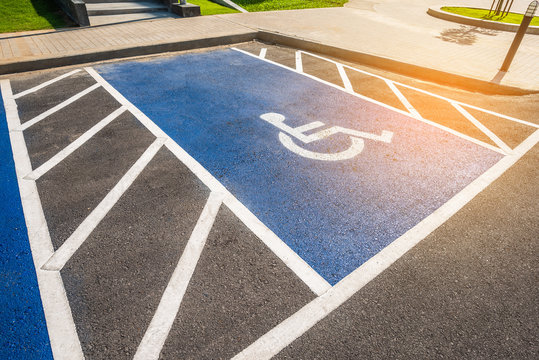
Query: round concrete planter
[(439, 13)]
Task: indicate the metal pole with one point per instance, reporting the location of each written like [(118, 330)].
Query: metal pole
[(505, 8), (499, 7), (528, 16), (510, 5), (491, 7)]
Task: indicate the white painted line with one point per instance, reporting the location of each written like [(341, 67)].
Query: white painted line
[(510, 118), (311, 278), (303, 270), (346, 82), (308, 127), (356, 147), (159, 328), (405, 113), (58, 107), (60, 326), (299, 62), (403, 99), (464, 136), (154, 129), (56, 159), (429, 93), (73, 243), (346, 66), (263, 52), (483, 128), (45, 84), (290, 329)]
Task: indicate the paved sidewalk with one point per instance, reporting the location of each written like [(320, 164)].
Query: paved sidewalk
[(386, 28), (107, 41), (404, 31)]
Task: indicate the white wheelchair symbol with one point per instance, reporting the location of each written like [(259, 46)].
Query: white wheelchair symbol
[(355, 148)]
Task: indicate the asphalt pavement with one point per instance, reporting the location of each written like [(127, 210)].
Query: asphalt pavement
[(181, 223)]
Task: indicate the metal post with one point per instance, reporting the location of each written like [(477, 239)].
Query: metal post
[(499, 7), (528, 16), (505, 8), (491, 7), (509, 9)]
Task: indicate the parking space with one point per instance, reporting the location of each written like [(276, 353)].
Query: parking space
[(220, 204)]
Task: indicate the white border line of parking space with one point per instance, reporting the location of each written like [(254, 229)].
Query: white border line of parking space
[(482, 127), (403, 99), (304, 271), (345, 80), (81, 140), (421, 90), (295, 326), (45, 84), (61, 256), (299, 62), (157, 332), (65, 343), (58, 107), (444, 128), (62, 332)]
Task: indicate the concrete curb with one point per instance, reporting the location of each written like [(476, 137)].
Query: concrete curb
[(416, 71), (487, 24), (88, 57), (399, 67)]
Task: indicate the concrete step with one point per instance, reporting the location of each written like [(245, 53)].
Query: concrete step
[(117, 8), (115, 19)]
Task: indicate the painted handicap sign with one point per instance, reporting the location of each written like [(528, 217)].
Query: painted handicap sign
[(336, 177), (356, 141)]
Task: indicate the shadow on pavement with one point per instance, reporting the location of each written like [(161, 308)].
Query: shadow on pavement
[(465, 35)]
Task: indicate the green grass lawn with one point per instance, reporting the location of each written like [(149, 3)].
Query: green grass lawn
[(511, 18), (266, 5), (207, 7), (210, 8), (21, 15)]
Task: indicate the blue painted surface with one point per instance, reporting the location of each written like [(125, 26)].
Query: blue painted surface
[(335, 215), (23, 331)]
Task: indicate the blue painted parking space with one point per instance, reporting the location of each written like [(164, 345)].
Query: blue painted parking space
[(22, 322), (336, 177)]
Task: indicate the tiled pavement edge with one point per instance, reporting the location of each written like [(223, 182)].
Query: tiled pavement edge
[(21, 52)]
